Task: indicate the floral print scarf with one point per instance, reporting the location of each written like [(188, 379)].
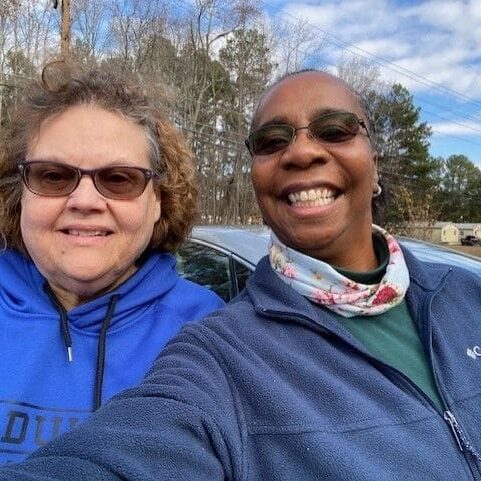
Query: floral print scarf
[(322, 284)]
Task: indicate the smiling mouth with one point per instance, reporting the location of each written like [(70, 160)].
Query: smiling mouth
[(312, 197), (86, 233)]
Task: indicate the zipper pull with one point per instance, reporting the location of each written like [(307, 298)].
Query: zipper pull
[(453, 424)]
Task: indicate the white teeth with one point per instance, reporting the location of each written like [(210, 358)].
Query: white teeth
[(312, 197), (87, 233)]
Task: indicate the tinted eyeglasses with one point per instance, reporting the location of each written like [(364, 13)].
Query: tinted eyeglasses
[(53, 179), (330, 128)]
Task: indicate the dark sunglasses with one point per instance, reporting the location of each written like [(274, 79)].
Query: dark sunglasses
[(331, 128), (54, 179)]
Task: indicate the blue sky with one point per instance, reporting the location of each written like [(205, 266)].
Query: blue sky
[(432, 47)]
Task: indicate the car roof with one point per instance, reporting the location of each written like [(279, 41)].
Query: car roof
[(247, 243), (429, 252), (250, 243)]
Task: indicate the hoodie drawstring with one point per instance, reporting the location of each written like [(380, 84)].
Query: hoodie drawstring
[(101, 346), (99, 374), (67, 339)]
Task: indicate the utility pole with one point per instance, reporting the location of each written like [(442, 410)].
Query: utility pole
[(65, 26), (65, 29)]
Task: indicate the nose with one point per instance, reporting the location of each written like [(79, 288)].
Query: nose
[(86, 197), (304, 151)]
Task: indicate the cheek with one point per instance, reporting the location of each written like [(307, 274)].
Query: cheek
[(259, 188), (152, 207), (263, 182), (36, 214), (37, 219), (360, 167), (139, 217), (371, 177), (152, 204), (262, 176)]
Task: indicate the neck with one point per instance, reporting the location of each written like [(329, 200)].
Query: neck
[(81, 292), (356, 255)]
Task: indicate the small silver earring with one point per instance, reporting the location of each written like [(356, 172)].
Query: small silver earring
[(377, 192)]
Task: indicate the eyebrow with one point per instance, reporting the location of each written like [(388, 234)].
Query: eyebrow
[(60, 160), (283, 120), (324, 111), (49, 158), (278, 119)]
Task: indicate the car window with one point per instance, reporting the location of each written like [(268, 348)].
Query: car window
[(207, 267)]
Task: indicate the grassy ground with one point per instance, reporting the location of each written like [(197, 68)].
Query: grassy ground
[(472, 250)]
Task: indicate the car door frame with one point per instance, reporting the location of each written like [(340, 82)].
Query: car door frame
[(234, 287)]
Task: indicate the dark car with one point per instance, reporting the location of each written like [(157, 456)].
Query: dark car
[(223, 257), (470, 240)]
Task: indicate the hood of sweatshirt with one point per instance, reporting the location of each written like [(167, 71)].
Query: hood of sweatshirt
[(22, 291)]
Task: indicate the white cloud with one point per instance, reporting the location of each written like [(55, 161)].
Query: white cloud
[(436, 12), (438, 39), (389, 48), (461, 128)]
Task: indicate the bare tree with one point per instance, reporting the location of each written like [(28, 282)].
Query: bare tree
[(415, 219), (91, 25), (36, 30), (296, 42), (365, 78), (8, 10), (204, 91), (361, 74), (132, 24)]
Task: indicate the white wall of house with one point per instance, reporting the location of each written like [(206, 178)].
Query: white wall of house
[(450, 233)]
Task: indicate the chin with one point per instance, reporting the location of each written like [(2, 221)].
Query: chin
[(310, 238), (80, 278), (86, 286)]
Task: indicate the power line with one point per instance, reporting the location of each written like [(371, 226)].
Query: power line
[(380, 60), (348, 46)]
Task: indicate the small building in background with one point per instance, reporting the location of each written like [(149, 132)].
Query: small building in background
[(469, 229), (450, 233)]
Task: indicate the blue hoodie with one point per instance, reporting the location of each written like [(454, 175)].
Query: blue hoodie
[(42, 393)]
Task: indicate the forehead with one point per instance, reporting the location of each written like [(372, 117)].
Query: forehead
[(88, 133), (297, 99), (89, 116)]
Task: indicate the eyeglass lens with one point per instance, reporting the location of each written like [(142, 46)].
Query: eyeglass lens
[(55, 179), (329, 128)]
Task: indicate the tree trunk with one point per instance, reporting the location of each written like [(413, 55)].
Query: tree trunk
[(65, 30)]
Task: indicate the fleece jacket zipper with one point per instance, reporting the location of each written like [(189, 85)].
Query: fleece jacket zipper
[(469, 454)]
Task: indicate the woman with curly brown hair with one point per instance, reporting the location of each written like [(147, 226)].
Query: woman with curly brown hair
[(96, 190)]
